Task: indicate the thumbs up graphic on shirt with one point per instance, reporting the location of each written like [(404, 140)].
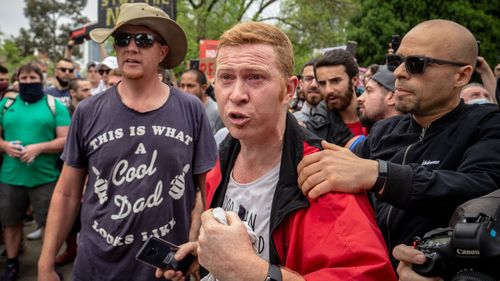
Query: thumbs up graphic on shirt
[(100, 186), (178, 184)]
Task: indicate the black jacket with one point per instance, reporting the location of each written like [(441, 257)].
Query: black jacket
[(328, 125), (433, 170)]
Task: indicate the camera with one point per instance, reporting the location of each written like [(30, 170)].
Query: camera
[(469, 251), (395, 41), (160, 253)]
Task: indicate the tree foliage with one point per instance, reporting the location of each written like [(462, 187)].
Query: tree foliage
[(313, 25), (50, 22), (309, 24), (377, 20)]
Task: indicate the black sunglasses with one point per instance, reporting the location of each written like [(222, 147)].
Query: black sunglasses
[(142, 40), (64, 69), (415, 64), (102, 71)]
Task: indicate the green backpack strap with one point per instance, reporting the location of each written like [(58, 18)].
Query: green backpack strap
[(51, 103), (8, 103)]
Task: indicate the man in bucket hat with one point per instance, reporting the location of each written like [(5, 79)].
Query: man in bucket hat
[(144, 147)]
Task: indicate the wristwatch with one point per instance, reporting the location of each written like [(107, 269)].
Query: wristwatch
[(274, 273), (382, 176)]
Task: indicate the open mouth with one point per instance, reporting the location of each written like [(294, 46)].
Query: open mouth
[(238, 118)]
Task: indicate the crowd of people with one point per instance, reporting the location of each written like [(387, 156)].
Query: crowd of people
[(324, 175)]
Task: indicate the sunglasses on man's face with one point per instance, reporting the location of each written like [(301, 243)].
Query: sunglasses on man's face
[(102, 71), (416, 64), (142, 40), (64, 69)]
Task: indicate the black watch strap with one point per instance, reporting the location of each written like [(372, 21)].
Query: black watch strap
[(382, 176), (274, 273)]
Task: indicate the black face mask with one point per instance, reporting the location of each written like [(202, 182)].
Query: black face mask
[(63, 83), (31, 92)]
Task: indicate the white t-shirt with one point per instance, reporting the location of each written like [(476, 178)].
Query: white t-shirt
[(252, 202)]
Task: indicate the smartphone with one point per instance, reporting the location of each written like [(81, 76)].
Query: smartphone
[(351, 48), (395, 41), (160, 253)]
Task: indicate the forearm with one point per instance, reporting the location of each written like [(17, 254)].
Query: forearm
[(256, 270), (194, 229), (62, 212), (54, 146)]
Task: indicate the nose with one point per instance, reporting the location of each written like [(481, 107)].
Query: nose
[(314, 84), (401, 73), (361, 98), (239, 94)]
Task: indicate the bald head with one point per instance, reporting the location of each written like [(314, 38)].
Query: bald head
[(450, 39)]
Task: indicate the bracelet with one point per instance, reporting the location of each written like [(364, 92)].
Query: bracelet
[(274, 273), (381, 178)]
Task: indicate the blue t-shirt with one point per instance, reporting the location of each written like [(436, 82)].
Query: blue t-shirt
[(62, 95), (140, 178)]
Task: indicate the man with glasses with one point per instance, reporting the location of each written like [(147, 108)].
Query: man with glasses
[(64, 73), (423, 164), (105, 67), (140, 147), (309, 86)]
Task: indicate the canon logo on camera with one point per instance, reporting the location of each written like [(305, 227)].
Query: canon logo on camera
[(468, 252)]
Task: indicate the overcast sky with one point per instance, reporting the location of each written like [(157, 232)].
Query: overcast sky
[(12, 17)]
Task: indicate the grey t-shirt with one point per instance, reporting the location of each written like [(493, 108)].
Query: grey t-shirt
[(252, 202), (213, 115), (140, 178)]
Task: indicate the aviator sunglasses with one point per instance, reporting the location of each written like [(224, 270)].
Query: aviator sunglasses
[(142, 40), (415, 64)]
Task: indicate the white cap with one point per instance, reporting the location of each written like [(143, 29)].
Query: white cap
[(110, 62)]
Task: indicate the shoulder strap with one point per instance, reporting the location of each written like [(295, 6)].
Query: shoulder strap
[(8, 103), (51, 102)]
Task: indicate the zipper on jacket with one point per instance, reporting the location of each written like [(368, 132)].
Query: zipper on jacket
[(420, 138)]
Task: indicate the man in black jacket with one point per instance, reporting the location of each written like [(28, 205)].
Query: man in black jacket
[(439, 155)]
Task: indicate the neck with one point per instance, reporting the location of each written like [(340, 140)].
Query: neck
[(258, 156), (94, 84), (349, 115), (143, 94), (426, 120), (74, 102)]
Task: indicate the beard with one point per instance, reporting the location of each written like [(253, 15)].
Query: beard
[(313, 98), (133, 75), (366, 121), (343, 100)]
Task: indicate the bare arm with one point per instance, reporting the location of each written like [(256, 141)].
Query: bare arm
[(199, 207), (62, 212), (487, 77), (12, 149)]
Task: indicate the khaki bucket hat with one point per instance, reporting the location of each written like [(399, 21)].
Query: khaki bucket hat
[(157, 20)]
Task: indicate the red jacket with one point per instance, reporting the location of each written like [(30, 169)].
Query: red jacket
[(334, 237)]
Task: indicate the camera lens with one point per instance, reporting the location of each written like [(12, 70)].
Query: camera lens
[(152, 252)]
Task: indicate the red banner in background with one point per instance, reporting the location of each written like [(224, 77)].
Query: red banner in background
[(208, 50)]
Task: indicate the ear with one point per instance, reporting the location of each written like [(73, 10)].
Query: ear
[(390, 99), (291, 85), (204, 87), (462, 77), (163, 52), (354, 82)]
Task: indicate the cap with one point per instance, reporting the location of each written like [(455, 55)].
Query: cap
[(157, 20), (110, 62), (385, 78), (91, 64)]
